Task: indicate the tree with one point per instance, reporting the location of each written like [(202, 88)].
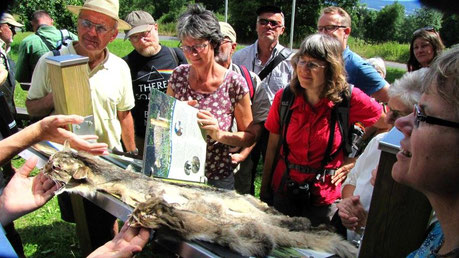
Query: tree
[(388, 24), (450, 29), (56, 8), (421, 18)]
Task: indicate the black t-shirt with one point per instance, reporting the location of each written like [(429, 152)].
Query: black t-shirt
[(149, 73)]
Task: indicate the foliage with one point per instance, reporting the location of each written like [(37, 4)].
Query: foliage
[(421, 18), (449, 31), (392, 51), (388, 23), (56, 8)]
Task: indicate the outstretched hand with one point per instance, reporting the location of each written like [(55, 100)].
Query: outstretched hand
[(54, 128), (126, 243), (341, 173), (25, 194)]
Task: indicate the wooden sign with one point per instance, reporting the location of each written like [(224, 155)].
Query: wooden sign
[(69, 76)]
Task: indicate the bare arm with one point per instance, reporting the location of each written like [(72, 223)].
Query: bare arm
[(52, 128), (347, 191), (382, 94), (265, 188), (127, 129), (40, 107)]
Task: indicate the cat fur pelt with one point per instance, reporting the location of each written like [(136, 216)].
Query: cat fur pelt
[(240, 222)]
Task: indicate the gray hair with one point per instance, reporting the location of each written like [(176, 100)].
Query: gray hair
[(378, 63), (408, 88), (443, 76), (199, 23)]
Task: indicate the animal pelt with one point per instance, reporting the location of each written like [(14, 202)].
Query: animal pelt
[(240, 222)]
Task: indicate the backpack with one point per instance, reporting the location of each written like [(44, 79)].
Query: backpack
[(340, 113), (246, 74), (64, 41)]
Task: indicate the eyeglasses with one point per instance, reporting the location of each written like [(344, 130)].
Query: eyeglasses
[(265, 22), (87, 24), (330, 28), (138, 36), (225, 41), (12, 28), (198, 48), (426, 28), (310, 65), (419, 116)]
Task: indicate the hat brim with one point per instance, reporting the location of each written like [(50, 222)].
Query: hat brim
[(138, 29), (15, 24), (122, 25)]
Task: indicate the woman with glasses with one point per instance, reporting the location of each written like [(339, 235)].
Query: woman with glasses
[(425, 45), (428, 159), (305, 186), (357, 190), (219, 94)]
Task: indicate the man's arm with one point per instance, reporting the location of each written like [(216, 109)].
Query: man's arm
[(40, 107), (382, 95), (127, 129)]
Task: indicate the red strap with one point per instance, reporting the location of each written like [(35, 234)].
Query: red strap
[(248, 79)]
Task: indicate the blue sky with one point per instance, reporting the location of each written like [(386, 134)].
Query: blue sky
[(410, 5)]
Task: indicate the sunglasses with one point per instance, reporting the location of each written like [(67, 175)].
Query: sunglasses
[(198, 48), (426, 28), (87, 24), (330, 28), (420, 117), (310, 65), (265, 22)]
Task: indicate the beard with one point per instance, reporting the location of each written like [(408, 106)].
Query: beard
[(149, 50), (222, 57)]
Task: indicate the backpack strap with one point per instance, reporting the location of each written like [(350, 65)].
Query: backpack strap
[(174, 55), (46, 42), (65, 38), (245, 73), (343, 119), (283, 54)]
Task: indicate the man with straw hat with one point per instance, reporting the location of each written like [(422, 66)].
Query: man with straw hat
[(111, 91)]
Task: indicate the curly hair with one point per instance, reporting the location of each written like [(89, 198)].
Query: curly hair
[(198, 23), (433, 38), (329, 50)]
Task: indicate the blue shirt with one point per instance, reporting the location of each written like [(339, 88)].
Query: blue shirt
[(362, 74), (6, 250), (431, 244)]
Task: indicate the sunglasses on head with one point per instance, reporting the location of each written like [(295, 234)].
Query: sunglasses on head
[(426, 28)]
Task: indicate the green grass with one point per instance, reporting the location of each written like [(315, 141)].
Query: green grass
[(389, 51)]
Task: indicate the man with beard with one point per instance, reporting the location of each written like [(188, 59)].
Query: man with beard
[(151, 65), (111, 95)]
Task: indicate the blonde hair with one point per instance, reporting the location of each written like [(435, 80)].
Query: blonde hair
[(328, 49), (345, 18)]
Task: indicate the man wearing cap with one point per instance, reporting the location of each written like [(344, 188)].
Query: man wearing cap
[(270, 61), (336, 22), (151, 65), (111, 95), (7, 32), (243, 179), (45, 39)]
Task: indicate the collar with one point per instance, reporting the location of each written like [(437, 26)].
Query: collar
[(301, 103), (347, 51), (276, 50), (99, 66)]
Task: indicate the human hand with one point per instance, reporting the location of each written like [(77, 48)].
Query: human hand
[(352, 213), (54, 128), (25, 194), (237, 158), (374, 173), (126, 243), (208, 122), (192, 102), (341, 173)]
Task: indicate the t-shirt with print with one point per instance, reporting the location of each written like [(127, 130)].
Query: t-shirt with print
[(221, 103), (149, 73)]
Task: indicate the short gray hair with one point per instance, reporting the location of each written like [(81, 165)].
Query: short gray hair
[(199, 23), (408, 88), (378, 63), (443, 76)]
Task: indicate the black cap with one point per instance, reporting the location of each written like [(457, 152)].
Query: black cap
[(268, 9)]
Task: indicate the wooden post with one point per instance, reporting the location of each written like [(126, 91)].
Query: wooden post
[(399, 215), (69, 77)]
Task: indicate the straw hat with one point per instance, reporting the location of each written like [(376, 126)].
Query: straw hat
[(228, 31), (107, 7)]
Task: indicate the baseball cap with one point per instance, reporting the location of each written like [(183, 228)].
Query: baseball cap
[(268, 9), (228, 31), (9, 19), (140, 21)]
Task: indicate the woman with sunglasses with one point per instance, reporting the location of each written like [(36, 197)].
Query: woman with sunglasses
[(428, 159), (219, 94), (357, 190), (425, 45), (301, 184)]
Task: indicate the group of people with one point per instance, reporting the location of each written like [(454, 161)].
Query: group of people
[(266, 101)]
